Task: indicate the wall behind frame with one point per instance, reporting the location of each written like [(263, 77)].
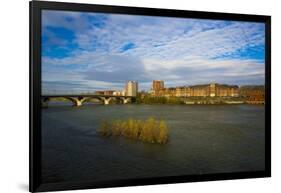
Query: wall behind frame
[(14, 95)]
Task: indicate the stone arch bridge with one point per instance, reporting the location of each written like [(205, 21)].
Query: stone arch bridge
[(78, 100)]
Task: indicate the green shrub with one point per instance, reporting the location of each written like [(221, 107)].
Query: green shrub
[(149, 130)]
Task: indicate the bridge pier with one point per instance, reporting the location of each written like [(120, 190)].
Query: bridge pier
[(106, 100), (45, 102), (77, 101), (126, 100)]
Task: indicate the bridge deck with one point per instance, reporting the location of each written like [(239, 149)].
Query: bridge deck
[(84, 95)]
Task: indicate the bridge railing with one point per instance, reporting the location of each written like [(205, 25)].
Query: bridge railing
[(67, 92), (76, 92)]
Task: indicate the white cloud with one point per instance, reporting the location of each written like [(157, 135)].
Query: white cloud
[(182, 51)]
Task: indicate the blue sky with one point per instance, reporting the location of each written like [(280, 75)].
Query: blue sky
[(93, 51)]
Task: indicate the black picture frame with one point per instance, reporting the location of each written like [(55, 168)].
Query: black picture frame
[(36, 7)]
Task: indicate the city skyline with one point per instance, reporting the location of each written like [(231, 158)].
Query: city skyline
[(94, 51)]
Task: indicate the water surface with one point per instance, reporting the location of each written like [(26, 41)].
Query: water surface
[(203, 139)]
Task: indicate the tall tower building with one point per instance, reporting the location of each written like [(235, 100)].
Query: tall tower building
[(131, 88), (212, 89), (157, 85)]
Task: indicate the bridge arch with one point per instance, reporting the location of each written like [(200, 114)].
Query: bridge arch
[(78, 100)]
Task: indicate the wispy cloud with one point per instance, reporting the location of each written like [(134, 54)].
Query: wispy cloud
[(102, 51)]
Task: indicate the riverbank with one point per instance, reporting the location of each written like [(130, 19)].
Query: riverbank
[(170, 101), (224, 102), (195, 100)]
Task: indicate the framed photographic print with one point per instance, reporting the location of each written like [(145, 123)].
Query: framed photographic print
[(124, 96)]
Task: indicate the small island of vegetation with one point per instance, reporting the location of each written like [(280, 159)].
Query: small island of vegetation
[(149, 130)]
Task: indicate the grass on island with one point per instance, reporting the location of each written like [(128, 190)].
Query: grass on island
[(149, 130)]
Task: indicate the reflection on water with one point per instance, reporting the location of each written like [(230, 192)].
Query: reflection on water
[(203, 139)]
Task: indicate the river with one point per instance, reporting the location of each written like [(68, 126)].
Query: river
[(203, 139)]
